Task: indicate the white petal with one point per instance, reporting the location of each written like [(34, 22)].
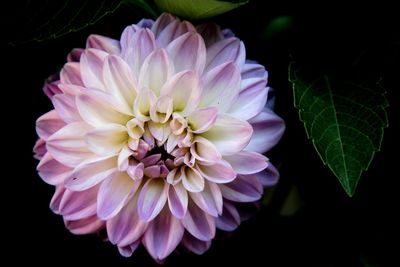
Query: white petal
[(202, 119), (107, 140), (230, 49), (192, 179), (220, 172), (104, 43), (204, 151), (246, 162), (91, 66), (152, 198), (66, 107), (209, 200)]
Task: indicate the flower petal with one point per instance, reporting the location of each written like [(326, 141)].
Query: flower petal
[(198, 223), (91, 172), (162, 21), (113, 194), (250, 102), (107, 140), (48, 124), (178, 200), (156, 70), (66, 107), (188, 52), (39, 149), (192, 179), (152, 198), (221, 86), (185, 90), (268, 130), (209, 200), (195, 245), (119, 82), (165, 232), (269, 176), (98, 109), (75, 55), (254, 70), (246, 162), (172, 31), (71, 74), (210, 32), (140, 44), (78, 205), (126, 227), (56, 199), (202, 119), (103, 43), (143, 102), (127, 251), (84, 226), (68, 146), (230, 218), (229, 135), (230, 49), (52, 171), (204, 151), (245, 188), (220, 172), (91, 66)]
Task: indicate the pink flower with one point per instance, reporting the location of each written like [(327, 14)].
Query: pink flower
[(155, 137)]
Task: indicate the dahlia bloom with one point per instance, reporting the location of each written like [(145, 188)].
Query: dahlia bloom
[(156, 137)]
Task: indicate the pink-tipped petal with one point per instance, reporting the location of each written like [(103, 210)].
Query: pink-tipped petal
[(103, 43), (202, 119), (91, 172), (245, 188), (229, 135), (156, 69), (246, 162), (209, 200), (188, 52), (52, 171), (127, 251), (48, 124), (268, 130), (204, 151), (98, 108), (230, 49), (56, 199), (195, 245), (126, 227), (119, 82), (71, 74), (184, 88), (78, 205), (91, 67), (152, 198), (230, 218), (192, 179), (113, 194), (178, 200), (107, 140), (250, 102), (269, 176), (84, 226), (173, 31), (221, 86), (220, 172), (198, 223), (75, 55), (65, 106), (39, 149), (141, 44), (68, 146), (51, 87), (165, 232), (163, 21)]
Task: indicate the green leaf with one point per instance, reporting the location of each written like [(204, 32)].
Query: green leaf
[(345, 122), (47, 20), (197, 9)]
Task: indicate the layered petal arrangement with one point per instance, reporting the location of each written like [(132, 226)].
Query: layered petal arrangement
[(156, 137)]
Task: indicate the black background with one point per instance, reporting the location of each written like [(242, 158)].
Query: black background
[(330, 229)]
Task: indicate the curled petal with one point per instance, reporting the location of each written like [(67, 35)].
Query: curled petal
[(162, 109), (188, 52), (52, 171), (123, 158), (204, 151), (221, 86), (68, 145), (192, 179), (172, 31), (162, 236), (245, 188), (152, 198), (71, 74), (143, 102), (198, 223), (39, 149), (230, 49), (229, 135), (246, 162), (268, 130), (220, 172), (230, 218), (178, 200), (269, 176), (56, 199), (106, 44), (91, 65), (163, 21), (202, 119), (128, 250), (48, 124), (75, 55), (91, 172), (107, 140), (113, 194), (209, 200)]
